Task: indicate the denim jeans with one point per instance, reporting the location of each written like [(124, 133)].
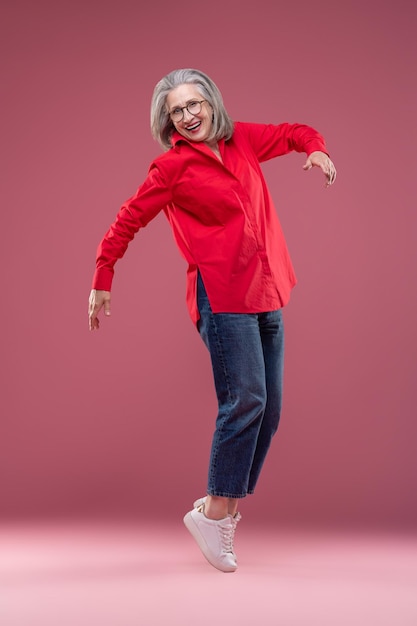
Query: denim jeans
[(247, 353)]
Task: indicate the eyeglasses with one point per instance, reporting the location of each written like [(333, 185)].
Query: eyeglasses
[(193, 108)]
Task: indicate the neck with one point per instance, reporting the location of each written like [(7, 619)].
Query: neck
[(215, 148)]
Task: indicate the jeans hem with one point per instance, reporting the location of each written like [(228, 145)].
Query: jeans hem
[(224, 494)]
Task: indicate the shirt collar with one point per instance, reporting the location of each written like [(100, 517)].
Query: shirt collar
[(176, 137)]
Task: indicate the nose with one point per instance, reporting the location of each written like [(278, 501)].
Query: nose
[(186, 115)]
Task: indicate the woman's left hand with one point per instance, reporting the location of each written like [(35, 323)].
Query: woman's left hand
[(323, 161)]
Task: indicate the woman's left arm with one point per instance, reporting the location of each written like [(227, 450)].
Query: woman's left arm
[(324, 162), (269, 141)]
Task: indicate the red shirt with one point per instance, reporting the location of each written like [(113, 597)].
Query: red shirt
[(222, 216)]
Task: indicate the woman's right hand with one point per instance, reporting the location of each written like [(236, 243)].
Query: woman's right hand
[(98, 299)]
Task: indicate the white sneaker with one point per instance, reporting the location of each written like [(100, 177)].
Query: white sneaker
[(201, 501), (214, 538)]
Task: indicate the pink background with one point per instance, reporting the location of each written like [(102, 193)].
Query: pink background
[(119, 422)]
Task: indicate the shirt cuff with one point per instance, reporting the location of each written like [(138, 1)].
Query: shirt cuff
[(102, 279), (315, 145)]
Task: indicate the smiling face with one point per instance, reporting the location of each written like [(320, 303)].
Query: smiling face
[(193, 127)]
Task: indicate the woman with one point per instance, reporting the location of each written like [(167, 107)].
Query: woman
[(210, 185)]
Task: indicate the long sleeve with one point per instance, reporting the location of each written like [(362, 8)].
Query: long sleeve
[(151, 197), (269, 140)]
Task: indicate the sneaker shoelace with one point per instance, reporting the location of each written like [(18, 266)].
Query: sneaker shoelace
[(227, 533), (227, 530), (235, 520)]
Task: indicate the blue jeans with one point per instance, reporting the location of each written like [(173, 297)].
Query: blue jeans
[(247, 353)]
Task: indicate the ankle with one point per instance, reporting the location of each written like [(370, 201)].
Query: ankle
[(232, 506), (216, 508)]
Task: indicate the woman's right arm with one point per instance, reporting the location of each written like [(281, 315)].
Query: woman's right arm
[(151, 197)]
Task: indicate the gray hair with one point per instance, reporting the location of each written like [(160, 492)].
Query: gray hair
[(161, 124)]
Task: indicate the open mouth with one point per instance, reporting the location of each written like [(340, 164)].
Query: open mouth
[(194, 126)]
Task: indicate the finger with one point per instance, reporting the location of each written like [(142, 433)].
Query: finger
[(330, 178), (329, 171), (93, 323), (332, 174)]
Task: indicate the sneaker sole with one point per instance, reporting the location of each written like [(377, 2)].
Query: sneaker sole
[(193, 529)]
